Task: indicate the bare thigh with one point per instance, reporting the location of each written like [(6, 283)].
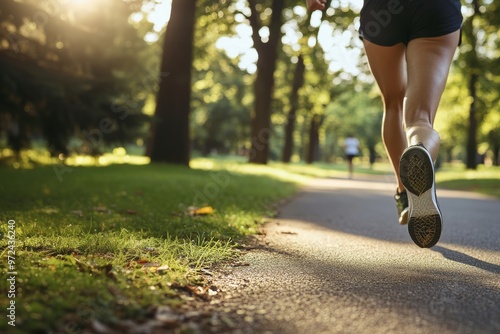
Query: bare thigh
[(388, 66)]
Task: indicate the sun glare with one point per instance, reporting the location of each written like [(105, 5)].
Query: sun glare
[(158, 13)]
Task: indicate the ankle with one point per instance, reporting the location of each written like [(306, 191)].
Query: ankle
[(425, 135)]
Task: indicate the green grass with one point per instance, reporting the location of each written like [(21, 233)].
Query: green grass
[(484, 180), (90, 240)]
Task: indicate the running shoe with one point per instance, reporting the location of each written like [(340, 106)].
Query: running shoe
[(416, 169), (402, 206)]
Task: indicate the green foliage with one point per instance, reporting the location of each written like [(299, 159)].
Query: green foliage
[(221, 96), (356, 111), (478, 56), (66, 68), (72, 70), (452, 117)]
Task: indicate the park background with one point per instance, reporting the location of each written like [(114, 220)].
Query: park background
[(142, 141)]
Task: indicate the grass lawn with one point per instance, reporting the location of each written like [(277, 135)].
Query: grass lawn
[(110, 243), (484, 180)]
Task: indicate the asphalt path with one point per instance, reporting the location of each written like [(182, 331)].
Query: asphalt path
[(337, 261)]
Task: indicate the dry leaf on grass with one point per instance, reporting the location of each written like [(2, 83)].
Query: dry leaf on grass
[(201, 292), (151, 265), (195, 211), (77, 213), (162, 269)]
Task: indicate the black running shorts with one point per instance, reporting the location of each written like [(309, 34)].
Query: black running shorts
[(390, 22), (350, 157)]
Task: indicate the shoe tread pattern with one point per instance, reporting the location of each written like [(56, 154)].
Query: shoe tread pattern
[(416, 171), (417, 175), (425, 231)]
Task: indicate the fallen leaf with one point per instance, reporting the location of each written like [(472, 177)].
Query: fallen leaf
[(49, 211), (101, 209), (194, 211), (162, 269), (150, 264), (207, 272), (206, 210), (193, 291)]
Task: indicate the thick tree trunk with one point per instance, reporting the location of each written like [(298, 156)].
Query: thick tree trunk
[(298, 81), (170, 131), (471, 162), (261, 121), (264, 83)]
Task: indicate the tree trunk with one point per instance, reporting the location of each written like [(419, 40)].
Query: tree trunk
[(264, 83), (471, 162), (474, 68), (496, 155), (313, 147), (298, 81), (170, 131), (494, 143), (372, 155)]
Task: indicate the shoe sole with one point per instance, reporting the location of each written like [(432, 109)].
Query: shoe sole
[(424, 218)]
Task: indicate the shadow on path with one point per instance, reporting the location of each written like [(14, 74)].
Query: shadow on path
[(466, 259), (335, 260), (366, 208)]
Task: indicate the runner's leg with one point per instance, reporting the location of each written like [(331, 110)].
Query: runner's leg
[(350, 166), (389, 69), (428, 63)]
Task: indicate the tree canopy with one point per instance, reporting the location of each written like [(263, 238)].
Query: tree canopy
[(72, 71), (266, 79)]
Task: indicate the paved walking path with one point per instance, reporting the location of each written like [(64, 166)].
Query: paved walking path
[(337, 261)]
